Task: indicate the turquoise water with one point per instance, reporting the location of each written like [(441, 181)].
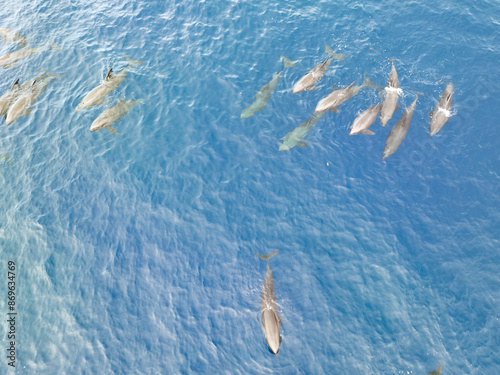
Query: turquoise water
[(136, 253)]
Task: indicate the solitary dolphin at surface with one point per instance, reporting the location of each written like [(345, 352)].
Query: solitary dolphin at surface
[(392, 92), (10, 59), (28, 97), (11, 36), (296, 136), (264, 93), (271, 322), (113, 114), (441, 113), (365, 120), (337, 97), (110, 83), (438, 370), (309, 80), (398, 132)]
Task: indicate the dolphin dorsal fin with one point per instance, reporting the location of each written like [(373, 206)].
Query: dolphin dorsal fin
[(16, 83), (108, 76)]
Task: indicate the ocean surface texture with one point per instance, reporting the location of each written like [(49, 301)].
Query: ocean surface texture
[(135, 252)]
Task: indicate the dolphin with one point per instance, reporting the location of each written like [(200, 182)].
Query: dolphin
[(264, 93), (392, 92), (296, 136), (28, 97), (11, 36), (113, 114), (309, 80), (438, 370), (365, 120), (337, 97), (271, 322), (9, 97), (10, 59), (441, 113), (398, 132), (110, 83)]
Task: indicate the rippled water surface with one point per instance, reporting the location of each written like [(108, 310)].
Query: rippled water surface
[(136, 252)]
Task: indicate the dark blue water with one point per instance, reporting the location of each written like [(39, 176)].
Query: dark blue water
[(136, 253)]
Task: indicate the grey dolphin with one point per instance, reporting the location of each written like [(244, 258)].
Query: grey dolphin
[(391, 97), (28, 97), (309, 80), (9, 97), (362, 123), (438, 370), (398, 132), (337, 97), (271, 322), (296, 136), (441, 113), (264, 93), (111, 115), (11, 36), (110, 83), (10, 59)]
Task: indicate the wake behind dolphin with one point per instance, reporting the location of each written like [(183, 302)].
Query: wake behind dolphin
[(271, 322)]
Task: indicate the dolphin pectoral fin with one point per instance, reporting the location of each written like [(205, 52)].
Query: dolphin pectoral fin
[(396, 108), (368, 132), (112, 130), (431, 113), (334, 110), (302, 144)]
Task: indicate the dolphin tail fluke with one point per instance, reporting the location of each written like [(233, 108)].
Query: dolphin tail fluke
[(337, 56), (133, 62), (288, 63), (268, 256)]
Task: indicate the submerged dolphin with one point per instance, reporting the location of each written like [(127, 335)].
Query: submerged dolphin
[(113, 114), (264, 93), (365, 120), (398, 132), (110, 83), (392, 92), (309, 80), (337, 97), (438, 370), (296, 136), (271, 322), (28, 97), (10, 59), (441, 113), (11, 36)]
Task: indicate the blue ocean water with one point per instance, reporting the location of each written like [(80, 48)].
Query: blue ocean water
[(136, 253)]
